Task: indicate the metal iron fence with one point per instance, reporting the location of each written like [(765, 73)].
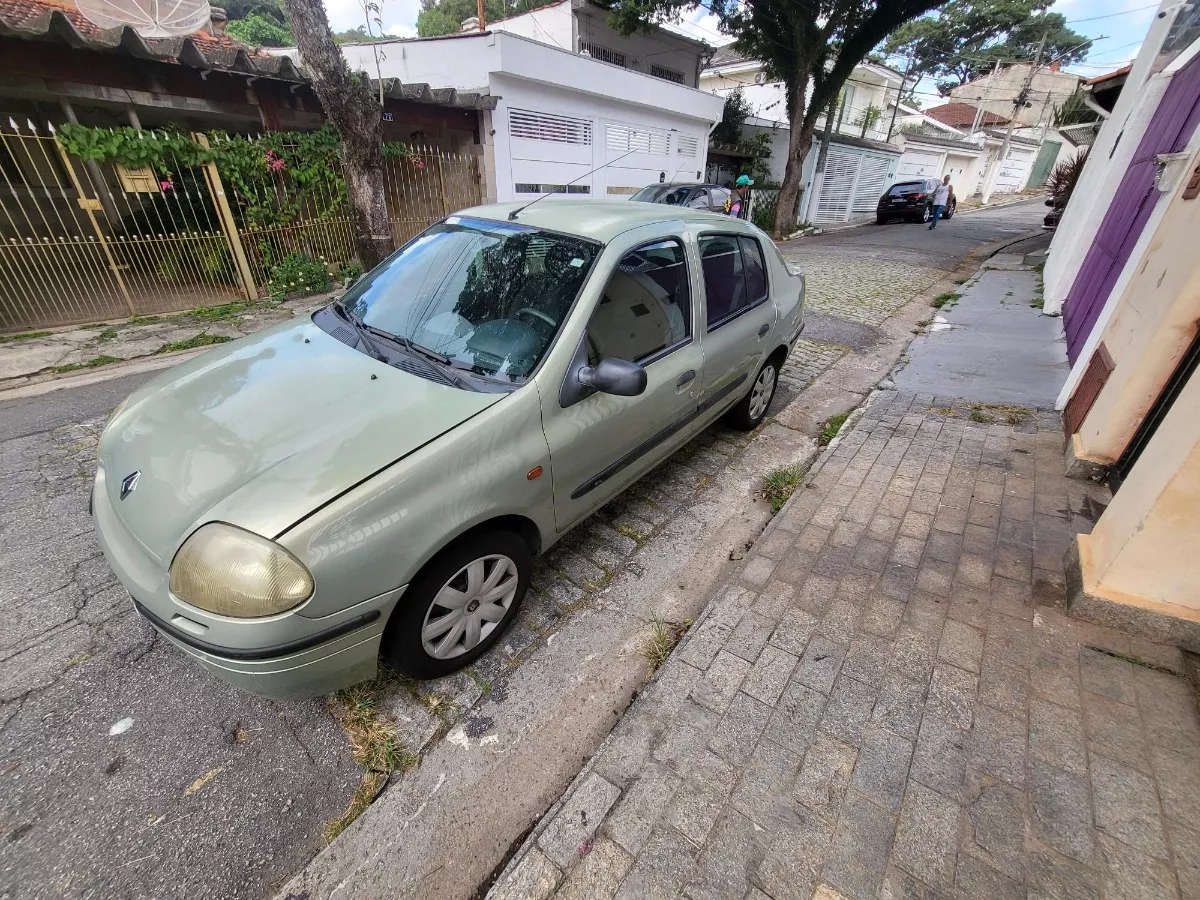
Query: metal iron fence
[(83, 240)]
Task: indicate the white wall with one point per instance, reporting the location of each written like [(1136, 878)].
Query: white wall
[(549, 25), (1110, 156)]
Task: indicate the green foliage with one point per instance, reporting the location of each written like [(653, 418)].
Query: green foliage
[(260, 31), (1063, 178), (27, 336), (779, 485), (297, 273), (203, 339), (438, 17), (267, 9), (942, 299), (737, 110), (869, 117), (360, 35), (832, 426), (348, 271), (90, 364), (962, 40), (1074, 111), (162, 149)]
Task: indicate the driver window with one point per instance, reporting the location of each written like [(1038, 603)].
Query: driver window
[(700, 201), (645, 307)]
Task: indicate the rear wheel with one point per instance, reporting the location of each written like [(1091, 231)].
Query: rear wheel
[(459, 605), (926, 214), (752, 409), (881, 220), (950, 210)]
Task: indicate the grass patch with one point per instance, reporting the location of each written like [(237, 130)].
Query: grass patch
[(79, 660), (217, 313), (832, 426), (90, 364), (631, 533), (203, 339), (1010, 415), (144, 320), (779, 485), (27, 336), (942, 299), (374, 745), (661, 641), (981, 417), (107, 334)]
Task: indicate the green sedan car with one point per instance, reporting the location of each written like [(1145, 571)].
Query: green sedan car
[(374, 481)]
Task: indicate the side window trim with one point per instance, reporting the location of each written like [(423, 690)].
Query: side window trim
[(726, 319), (762, 260)]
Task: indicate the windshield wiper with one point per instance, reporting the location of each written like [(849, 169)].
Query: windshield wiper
[(445, 370), (360, 330)]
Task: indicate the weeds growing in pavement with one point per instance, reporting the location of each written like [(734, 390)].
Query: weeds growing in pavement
[(942, 299), (90, 364), (662, 640), (374, 745), (832, 426), (203, 339), (779, 485), (27, 336), (981, 417)]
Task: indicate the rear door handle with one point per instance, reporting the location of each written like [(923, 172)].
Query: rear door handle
[(762, 332), (685, 377)]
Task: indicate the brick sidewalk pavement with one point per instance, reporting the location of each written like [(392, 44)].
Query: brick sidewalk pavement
[(889, 703)]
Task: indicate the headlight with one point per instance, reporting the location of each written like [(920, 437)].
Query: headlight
[(232, 572)]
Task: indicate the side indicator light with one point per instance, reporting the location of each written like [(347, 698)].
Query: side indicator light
[(535, 472)]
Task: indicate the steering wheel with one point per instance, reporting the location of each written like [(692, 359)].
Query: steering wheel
[(537, 314)]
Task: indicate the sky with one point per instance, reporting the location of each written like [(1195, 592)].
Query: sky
[(1118, 26)]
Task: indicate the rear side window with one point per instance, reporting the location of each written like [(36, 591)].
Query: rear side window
[(735, 277), (906, 187)]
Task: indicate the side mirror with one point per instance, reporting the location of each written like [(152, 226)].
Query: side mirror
[(614, 376)]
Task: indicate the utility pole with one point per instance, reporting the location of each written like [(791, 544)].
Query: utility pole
[(480, 14), (1019, 103), (979, 105), (899, 94)]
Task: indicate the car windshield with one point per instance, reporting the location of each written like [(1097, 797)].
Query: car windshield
[(672, 194), (489, 296)]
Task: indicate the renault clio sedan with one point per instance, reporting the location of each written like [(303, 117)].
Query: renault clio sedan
[(374, 481)]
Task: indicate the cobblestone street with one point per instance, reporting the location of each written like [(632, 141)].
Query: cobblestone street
[(889, 702)]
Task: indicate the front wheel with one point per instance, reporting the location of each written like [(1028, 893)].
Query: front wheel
[(459, 605), (926, 214), (752, 409), (949, 211)]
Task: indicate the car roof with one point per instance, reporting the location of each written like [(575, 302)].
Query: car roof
[(599, 220)]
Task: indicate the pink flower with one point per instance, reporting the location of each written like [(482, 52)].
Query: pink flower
[(274, 161), (166, 184), (416, 161), (277, 164)]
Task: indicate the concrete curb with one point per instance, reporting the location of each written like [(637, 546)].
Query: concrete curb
[(50, 383)]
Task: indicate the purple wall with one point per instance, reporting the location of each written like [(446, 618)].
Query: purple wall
[(1168, 132)]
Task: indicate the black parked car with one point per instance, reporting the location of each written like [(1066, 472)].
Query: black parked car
[(693, 196), (912, 200)]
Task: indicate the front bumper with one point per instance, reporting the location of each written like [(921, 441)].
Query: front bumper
[(285, 656)]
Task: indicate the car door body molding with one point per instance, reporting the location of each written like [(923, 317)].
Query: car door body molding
[(655, 439)]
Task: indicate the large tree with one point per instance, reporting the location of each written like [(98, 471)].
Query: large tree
[(965, 38), (812, 46), (354, 111)]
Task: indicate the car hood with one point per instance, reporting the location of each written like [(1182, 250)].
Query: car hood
[(261, 432)]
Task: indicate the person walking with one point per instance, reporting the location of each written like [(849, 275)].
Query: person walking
[(738, 204), (941, 197)]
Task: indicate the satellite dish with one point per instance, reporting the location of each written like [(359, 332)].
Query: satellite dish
[(149, 18)]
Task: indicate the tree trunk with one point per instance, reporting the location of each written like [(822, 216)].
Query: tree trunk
[(355, 113), (799, 141)]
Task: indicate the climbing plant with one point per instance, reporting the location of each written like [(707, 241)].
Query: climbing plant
[(275, 178)]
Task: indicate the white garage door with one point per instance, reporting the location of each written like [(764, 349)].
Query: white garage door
[(1014, 170), (853, 182), (548, 151), (918, 164)]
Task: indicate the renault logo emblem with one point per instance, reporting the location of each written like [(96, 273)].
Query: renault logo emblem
[(129, 484)]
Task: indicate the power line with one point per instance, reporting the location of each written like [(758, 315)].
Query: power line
[(1113, 15)]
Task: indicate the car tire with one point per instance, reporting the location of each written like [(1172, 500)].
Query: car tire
[(926, 214), (950, 210), (752, 409), (881, 220), (422, 623)]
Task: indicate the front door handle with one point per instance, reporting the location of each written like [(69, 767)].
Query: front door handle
[(762, 332), (685, 377)]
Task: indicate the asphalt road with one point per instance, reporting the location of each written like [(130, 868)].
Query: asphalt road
[(125, 771)]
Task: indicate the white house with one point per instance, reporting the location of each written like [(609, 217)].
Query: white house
[(580, 98), (935, 155)]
